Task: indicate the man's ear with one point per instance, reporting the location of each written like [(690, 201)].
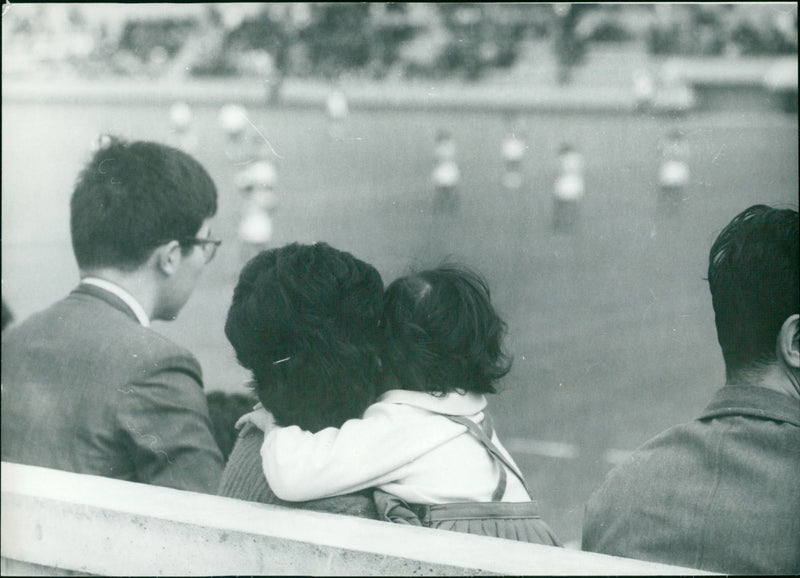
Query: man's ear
[(168, 257), (789, 341)]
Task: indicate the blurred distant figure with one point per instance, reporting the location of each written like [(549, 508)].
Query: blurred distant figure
[(180, 116), (337, 110), (781, 78), (569, 188), (336, 105), (446, 174), (513, 152), (8, 317), (643, 90), (99, 142), (570, 43), (233, 120), (257, 183), (673, 174), (722, 493)]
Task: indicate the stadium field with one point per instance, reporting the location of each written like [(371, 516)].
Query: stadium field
[(611, 326)]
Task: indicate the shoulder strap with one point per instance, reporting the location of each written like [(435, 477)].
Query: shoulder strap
[(482, 437), (502, 481)]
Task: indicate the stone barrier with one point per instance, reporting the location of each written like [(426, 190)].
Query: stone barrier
[(61, 523)]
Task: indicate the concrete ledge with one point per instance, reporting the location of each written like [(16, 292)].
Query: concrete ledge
[(63, 523), (312, 94), (523, 94), (744, 71)]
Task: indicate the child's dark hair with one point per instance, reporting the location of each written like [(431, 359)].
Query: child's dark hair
[(439, 332)]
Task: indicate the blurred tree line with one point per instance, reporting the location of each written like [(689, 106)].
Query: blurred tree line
[(723, 29), (328, 40), (378, 40)]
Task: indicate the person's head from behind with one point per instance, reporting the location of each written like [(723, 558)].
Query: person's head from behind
[(304, 321), (143, 205), (753, 275), (440, 333)]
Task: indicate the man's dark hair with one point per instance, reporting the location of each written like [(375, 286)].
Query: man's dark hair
[(304, 321), (440, 332), (753, 275), (132, 197)]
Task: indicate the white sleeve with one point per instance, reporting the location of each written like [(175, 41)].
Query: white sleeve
[(364, 453)]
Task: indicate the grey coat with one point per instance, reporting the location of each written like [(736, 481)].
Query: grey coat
[(87, 389), (721, 493)]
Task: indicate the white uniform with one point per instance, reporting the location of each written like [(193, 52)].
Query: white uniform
[(674, 170), (446, 175), (257, 184), (570, 184), (513, 150)]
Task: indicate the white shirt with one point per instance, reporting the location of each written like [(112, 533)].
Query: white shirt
[(404, 445), (129, 299)]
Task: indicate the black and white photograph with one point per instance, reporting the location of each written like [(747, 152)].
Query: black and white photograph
[(400, 288)]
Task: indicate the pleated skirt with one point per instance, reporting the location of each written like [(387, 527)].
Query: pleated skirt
[(510, 520)]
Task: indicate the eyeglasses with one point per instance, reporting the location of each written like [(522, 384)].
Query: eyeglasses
[(209, 246)]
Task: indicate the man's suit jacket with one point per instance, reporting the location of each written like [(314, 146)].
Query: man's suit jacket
[(721, 493), (87, 389)]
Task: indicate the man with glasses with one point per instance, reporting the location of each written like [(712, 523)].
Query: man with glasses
[(87, 386)]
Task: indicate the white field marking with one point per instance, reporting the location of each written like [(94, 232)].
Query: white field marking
[(615, 457), (560, 450), (541, 448)]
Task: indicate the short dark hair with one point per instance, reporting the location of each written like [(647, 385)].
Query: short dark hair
[(132, 197), (753, 275), (304, 321), (440, 332)]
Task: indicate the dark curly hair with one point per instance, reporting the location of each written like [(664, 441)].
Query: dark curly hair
[(304, 321), (440, 332), (753, 275)]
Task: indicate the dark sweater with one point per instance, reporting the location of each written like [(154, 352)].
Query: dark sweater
[(243, 478)]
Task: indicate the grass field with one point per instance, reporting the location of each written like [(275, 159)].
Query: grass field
[(611, 327)]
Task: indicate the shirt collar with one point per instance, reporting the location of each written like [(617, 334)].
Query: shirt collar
[(453, 403), (130, 300), (753, 401)]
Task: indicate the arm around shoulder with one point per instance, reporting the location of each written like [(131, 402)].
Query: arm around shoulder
[(364, 453)]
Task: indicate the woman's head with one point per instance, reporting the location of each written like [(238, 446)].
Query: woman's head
[(304, 321), (439, 332)]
